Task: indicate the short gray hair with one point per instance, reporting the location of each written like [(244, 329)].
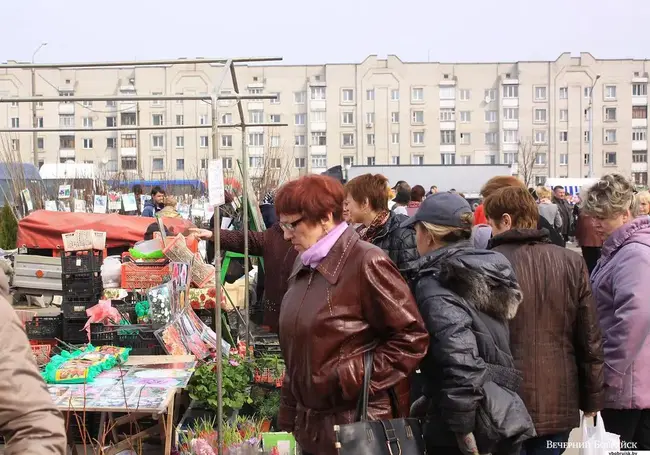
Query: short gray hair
[(612, 195)]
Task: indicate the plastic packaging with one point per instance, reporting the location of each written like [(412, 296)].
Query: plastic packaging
[(112, 272), (83, 365)]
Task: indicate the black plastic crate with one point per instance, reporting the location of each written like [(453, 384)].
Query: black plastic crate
[(141, 341), (74, 307), (87, 261), (44, 327), (82, 284), (207, 316), (73, 332)]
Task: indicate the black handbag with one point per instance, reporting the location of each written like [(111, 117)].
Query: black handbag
[(379, 437)]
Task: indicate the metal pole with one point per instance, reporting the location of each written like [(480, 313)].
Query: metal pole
[(591, 127), (34, 118), (133, 99), (133, 128), (189, 61)]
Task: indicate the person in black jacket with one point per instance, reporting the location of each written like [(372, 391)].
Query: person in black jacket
[(367, 203), (467, 298)]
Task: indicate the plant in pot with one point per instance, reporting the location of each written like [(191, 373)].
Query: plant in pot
[(267, 408), (269, 369)]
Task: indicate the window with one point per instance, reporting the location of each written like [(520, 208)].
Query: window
[(299, 119), (87, 122), (610, 136), (585, 158), (318, 93), (540, 137), (179, 101), (465, 94), (180, 142), (465, 138), (510, 113), (564, 115), (510, 136), (447, 158), (180, 120), (256, 139), (447, 115), (610, 92), (539, 115), (157, 120), (540, 93), (299, 140), (447, 137), (640, 178), (180, 164), (15, 122), (204, 141), (255, 161), (276, 163), (299, 97), (417, 117), (129, 141), (39, 122), (418, 138), (394, 138), (465, 159), (509, 158), (394, 160), (87, 103), (640, 156), (40, 143), (157, 141), (348, 161), (226, 140), (347, 139), (610, 114), (370, 95), (511, 91), (491, 138), (319, 161), (564, 93), (15, 144), (370, 118), (465, 116), (394, 117), (277, 98), (203, 119), (587, 92), (639, 134), (540, 159), (490, 159), (540, 180), (226, 161), (639, 111), (639, 89), (610, 158), (111, 122), (254, 91), (87, 144), (370, 160), (299, 163), (370, 139), (394, 95), (564, 136), (447, 93), (347, 118), (490, 116), (319, 138), (347, 95), (417, 159), (586, 136), (417, 94), (587, 111), (564, 159), (256, 116), (128, 163), (490, 95), (317, 116)]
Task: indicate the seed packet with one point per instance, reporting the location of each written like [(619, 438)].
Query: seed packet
[(160, 304)]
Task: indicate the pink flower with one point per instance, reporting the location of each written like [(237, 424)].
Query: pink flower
[(201, 447), (233, 363)]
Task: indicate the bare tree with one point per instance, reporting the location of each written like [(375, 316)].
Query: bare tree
[(273, 168), (15, 180), (526, 157)]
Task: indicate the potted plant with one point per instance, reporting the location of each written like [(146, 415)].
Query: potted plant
[(267, 409), (241, 437)]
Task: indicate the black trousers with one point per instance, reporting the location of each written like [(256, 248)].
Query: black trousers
[(633, 425), (591, 254)]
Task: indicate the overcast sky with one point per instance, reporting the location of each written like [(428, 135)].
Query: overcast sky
[(327, 31)]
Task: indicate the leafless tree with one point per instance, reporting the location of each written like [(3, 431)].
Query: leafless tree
[(273, 168), (15, 181), (526, 156)]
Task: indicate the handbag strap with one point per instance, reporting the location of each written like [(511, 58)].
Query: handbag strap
[(364, 396)]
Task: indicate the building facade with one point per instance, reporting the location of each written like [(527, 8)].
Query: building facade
[(380, 111)]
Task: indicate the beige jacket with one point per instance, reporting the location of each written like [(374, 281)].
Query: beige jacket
[(29, 421)]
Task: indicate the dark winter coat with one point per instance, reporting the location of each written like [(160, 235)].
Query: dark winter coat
[(399, 244), (466, 298), (150, 209)]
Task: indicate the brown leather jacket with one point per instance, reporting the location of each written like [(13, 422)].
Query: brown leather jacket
[(29, 421), (354, 301), (586, 234), (555, 336)]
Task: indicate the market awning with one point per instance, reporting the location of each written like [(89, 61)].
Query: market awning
[(43, 229)]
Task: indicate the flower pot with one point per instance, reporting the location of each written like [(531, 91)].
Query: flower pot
[(266, 426)]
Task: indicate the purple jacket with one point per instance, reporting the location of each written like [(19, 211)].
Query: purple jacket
[(621, 287)]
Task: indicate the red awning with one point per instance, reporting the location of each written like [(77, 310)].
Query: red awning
[(43, 229)]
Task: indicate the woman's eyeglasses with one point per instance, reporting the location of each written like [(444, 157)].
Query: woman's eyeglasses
[(291, 226)]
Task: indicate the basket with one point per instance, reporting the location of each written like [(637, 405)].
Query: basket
[(141, 340), (82, 284), (74, 307), (44, 327), (142, 275), (86, 261), (73, 332)]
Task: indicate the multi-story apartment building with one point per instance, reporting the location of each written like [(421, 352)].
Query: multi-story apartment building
[(380, 111)]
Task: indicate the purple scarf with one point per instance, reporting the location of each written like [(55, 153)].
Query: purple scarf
[(317, 252)]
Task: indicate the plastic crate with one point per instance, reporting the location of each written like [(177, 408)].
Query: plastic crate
[(144, 275), (87, 261), (82, 284), (207, 316), (73, 332), (44, 327), (75, 307), (141, 341)]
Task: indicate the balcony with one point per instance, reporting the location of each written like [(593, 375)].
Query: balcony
[(256, 150), (448, 148), (255, 129), (510, 102), (639, 101), (511, 124), (318, 126), (639, 122), (255, 106), (317, 105), (510, 147), (66, 108), (318, 150), (128, 106), (128, 152), (639, 145), (447, 103), (67, 153), (447, 125), (639, 167)]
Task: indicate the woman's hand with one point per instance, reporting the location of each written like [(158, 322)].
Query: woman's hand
[(204, 234), (467, 443)]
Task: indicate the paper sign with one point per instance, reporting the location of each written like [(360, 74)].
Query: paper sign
[(128, 202), (64, 191), (216, 190), (28, 199), (100, 204)]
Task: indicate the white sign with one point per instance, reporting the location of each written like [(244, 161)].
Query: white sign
[(216, 192)]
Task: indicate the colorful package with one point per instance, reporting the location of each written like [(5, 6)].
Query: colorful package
[(83, 365)]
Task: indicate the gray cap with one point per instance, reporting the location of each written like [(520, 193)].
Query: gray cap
[(443, 209)]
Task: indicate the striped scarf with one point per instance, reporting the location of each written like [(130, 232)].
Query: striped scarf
[(368, 233)]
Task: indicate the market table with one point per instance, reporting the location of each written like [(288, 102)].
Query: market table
[(143, 386)]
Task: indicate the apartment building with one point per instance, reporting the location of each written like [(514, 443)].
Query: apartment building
[(380, 111)]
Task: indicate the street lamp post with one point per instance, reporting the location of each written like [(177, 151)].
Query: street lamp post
[(34, 118), (591, 127)]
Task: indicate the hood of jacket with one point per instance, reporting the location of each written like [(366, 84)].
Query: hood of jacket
[(149, 203), (636, 231), (483, 278)]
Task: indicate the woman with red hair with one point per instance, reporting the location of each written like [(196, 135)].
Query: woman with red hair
[(345, 297)]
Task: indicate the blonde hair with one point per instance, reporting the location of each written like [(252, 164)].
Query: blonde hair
[(451, 234), (643, 196), (543, 192), (612, 195), (170, 201)]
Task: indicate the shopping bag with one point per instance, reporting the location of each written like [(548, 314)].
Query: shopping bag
[(596, 440)]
